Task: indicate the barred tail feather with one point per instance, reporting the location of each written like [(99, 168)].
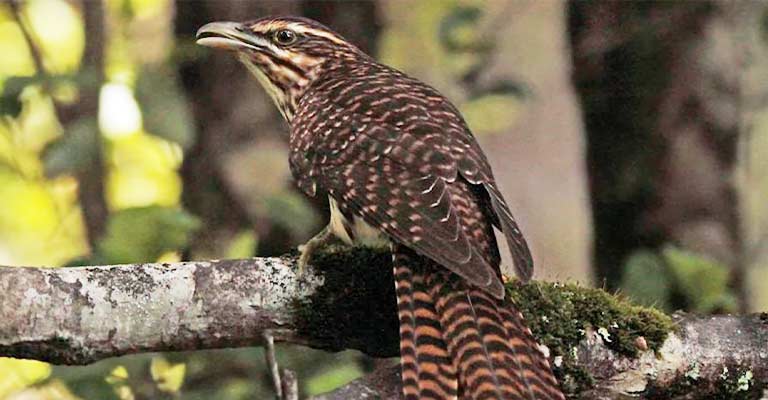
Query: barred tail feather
[(427, 370), (540, 376), (461, 342)]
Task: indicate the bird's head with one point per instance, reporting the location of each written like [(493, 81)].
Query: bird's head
[(285, 53)]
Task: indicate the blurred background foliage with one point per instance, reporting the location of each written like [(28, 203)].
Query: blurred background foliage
[(630, 138)]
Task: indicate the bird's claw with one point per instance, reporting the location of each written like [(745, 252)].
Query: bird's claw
[(306, 255), (307, 249)]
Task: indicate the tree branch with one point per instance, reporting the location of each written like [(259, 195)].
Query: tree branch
[(84, 314), (80, 315), (710, 357)]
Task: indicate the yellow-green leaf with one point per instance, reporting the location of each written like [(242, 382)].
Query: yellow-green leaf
[(118, 378), (54, 390), (124, 392), (18, 374), (118, 375), (243, 245), (168, 377)]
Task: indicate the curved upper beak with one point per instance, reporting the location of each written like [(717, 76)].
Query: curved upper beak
[(227, 36)]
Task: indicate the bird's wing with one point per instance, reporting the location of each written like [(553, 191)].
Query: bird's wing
[(471, 163), (397, 179), (398, 182), (414, 209)]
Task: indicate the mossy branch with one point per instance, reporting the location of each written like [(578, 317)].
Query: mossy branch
[(600, 345)]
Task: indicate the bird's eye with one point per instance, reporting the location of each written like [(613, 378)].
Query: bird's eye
[(285, 37)]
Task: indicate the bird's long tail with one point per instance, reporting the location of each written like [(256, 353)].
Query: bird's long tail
[(460, 342)]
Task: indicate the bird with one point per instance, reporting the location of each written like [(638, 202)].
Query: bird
[(401, 169)]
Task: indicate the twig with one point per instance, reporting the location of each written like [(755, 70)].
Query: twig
[(290, 384), (274, 370)]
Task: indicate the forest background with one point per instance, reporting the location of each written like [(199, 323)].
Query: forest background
[(630, 139)]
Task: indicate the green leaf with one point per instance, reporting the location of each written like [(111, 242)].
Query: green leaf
[(51, 390), (646, 280), (492, 113), (75, 150), (118, 375), (143, 234), (703, 282), (10, 99), (164, 107), (10, 105)]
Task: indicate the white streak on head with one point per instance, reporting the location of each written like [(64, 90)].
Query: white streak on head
[(315, 32)]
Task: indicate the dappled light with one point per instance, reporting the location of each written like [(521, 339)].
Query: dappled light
[(119, 114)]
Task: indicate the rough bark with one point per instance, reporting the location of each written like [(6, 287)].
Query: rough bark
[(80, 315)]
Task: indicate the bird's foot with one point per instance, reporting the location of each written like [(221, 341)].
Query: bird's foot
[(307, 249)]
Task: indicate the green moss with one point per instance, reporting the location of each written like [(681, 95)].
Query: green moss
[(355, 308), (559, 316), (573, 379)]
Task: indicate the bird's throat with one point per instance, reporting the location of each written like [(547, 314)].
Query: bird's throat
[(282, 97)]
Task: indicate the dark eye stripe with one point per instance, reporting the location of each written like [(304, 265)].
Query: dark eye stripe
[(288, 64)]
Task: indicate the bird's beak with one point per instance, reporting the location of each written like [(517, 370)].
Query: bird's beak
[(226, 36)]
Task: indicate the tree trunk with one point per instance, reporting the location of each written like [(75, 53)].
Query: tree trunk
[(90, 192), (661, 88), (90, 178)]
